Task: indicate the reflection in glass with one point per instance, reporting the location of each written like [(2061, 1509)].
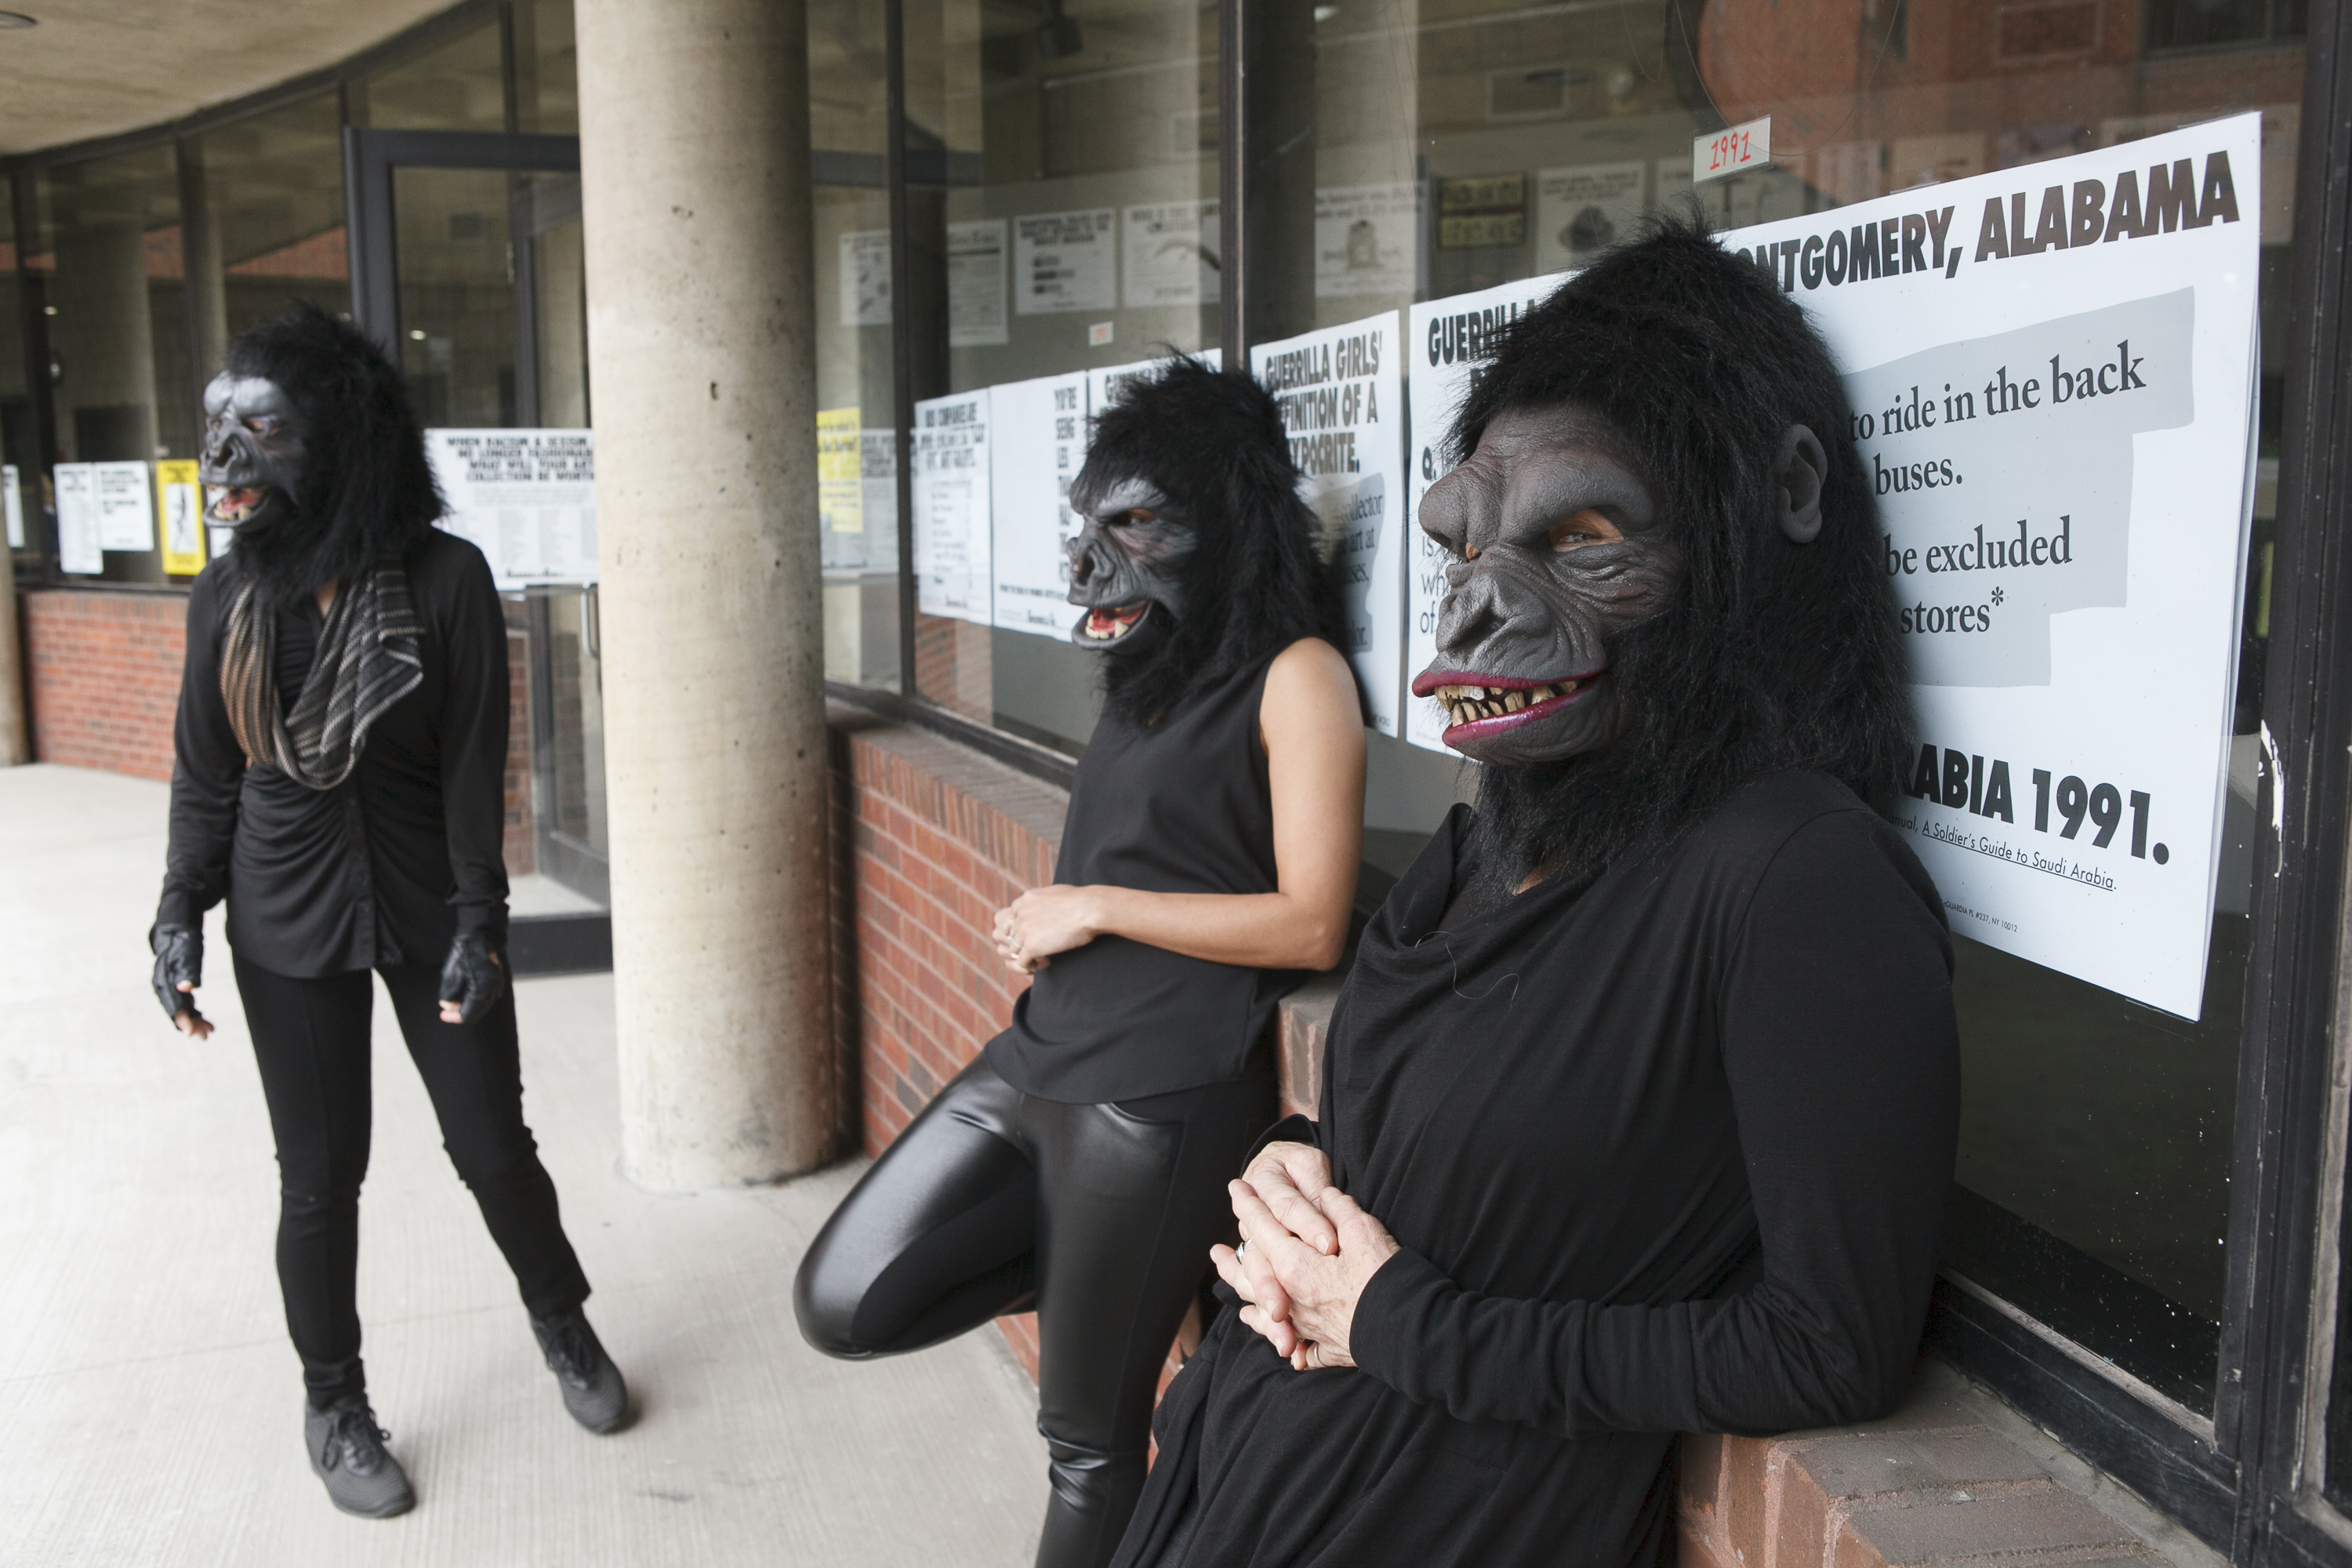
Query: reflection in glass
[(1067, 220), (265, 223), (857, 473), (459, 86), (457, 294), (112, 267), (20, 442)]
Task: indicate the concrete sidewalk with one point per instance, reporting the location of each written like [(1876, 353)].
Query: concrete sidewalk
[(150, 1405)]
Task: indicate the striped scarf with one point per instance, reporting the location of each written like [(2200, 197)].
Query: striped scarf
[(367, 660)]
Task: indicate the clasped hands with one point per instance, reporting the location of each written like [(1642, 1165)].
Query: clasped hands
[(1308, 1251)]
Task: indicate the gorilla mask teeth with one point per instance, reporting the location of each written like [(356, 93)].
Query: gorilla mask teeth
[(1468, 704), (237, 504), (1111, 623)]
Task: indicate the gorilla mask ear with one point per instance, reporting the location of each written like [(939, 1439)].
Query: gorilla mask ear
[(1803, 466)]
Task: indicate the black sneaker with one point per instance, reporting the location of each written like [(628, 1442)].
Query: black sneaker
[(347, 1453), (592, 1389)]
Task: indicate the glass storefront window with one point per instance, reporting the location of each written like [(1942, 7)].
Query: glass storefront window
[(1067, 221), (268, 226), (546, 65), (20, 446), (459, 86), (858, 474), (123, 380)]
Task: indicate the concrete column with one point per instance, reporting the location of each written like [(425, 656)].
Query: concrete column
[(103, 334), (694, 142), (15, 740), (207, 276)]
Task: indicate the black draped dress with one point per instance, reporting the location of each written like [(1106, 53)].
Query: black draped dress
[(1666, 1154)]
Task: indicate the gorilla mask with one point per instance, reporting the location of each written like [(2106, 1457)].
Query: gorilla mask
[(1127, 564), (1556, 547), (1196, 556), (253, 451), (312, 456), (1661, 580)]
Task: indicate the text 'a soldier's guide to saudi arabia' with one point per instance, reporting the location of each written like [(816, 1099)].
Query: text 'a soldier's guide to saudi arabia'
[(2051, 373)]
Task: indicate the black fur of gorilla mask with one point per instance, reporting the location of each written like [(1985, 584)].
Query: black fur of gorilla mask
[(1196, 557), (312, 456), (1127, 564), (1662, 581)]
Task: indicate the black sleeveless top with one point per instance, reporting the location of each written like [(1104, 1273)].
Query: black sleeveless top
[(1179, 806)]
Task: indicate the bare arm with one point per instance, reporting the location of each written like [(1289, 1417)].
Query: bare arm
[(1312, 729)]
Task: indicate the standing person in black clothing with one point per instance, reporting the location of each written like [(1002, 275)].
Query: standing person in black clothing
[(1208, 860), (1640, 1103), (339, 778)]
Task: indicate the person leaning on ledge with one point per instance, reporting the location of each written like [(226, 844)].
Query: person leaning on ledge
[(1639, 1101)]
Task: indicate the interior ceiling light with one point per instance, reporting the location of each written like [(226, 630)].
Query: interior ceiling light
[(12, 21)]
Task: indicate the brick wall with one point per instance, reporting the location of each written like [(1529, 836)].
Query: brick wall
[(103, 670), (930, 838)]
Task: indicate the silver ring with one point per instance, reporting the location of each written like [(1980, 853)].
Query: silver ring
[(1242, 1251)]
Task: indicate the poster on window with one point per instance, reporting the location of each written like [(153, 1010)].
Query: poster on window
[(1446, 339), (1065, 261), (1365, 240), (1340, 391), (857, 495), (952, 507), (976, 274), (2053, 375), (864, 261), (1582, 212), (840, 496), (11, 506), (1108, 385), (180, 516), (526, 499), (1037, 440), (126, 505), (1170, 254), (77, 548)]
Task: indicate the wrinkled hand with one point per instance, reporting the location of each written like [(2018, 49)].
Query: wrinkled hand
[(179, 970), (474, 977), (1299, 1296), (1042, 922)]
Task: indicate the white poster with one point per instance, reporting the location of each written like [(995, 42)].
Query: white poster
[(1341, 394), (126, 505), (1171, 250), (1446, 338), (1364, 240), (866, 277), (951, 506), (527, 498), (11, 503), (1108, 385), (1582, 212), (1037, 440), (976, 284), (78, 547), (1065, 261), (2052, 376), (857, 496)]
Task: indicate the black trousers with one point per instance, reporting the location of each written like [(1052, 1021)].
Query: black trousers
[(1101, 1215), (311, 1039)]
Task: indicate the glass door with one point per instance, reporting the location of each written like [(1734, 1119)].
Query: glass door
[(467, 267)]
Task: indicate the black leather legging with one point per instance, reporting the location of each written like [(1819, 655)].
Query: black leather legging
[(1101, 1215)]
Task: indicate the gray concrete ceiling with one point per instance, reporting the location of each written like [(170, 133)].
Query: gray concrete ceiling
[(95, 67)]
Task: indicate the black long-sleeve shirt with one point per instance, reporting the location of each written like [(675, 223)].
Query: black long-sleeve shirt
[(388, 867), (1666, 1153)]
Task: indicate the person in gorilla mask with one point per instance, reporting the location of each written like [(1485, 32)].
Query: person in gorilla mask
[(1208, 860), (340, 779)]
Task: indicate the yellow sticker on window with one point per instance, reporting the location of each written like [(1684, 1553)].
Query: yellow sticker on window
[(840, 494), (180, 516)]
